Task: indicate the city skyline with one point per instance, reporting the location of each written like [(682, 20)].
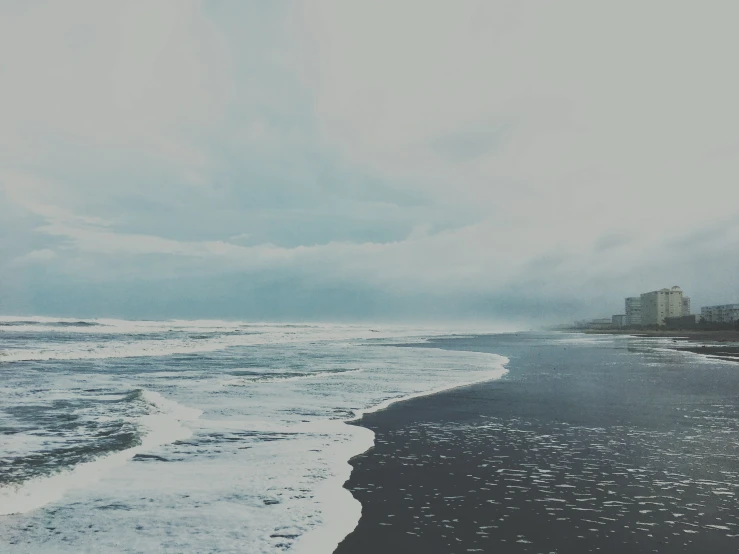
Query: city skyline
[(665, 306)]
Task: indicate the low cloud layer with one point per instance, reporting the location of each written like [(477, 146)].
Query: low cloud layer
[(349, 160)]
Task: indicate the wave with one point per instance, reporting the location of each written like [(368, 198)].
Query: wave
[(150, 347), (163, 424), (18, 323), (337, 503), (133, 349), (61, 324), (248, 378), (301, 389), (75, 324)]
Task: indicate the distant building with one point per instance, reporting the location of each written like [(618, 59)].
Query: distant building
[(686, 305), (600, 323), (660, 304), (724, 313), (618, 320), (633, 311)]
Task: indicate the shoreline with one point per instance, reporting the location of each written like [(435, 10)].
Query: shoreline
[(563, 455), (328, 537), (712, 344), (680, 334)]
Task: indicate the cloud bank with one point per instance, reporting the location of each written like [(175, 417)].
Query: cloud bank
[(350, 160)]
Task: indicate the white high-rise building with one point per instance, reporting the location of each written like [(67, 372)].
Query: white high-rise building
[(658, 305), (724, 313)]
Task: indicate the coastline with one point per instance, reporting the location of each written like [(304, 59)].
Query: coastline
[(562, 455), (680, 334), (723, 344), (345, 515)]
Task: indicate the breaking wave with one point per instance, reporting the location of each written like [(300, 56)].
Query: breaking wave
[(164, 422)]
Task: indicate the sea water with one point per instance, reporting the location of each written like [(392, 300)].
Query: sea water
[(197, 436)]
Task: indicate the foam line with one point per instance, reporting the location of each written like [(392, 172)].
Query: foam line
[(163, 425), (341, 510), (265, 378)]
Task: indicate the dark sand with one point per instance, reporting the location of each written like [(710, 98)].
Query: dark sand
[(707, 336), (579, 449), (710, 343), (728, 353)]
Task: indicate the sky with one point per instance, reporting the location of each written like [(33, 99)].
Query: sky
[(501, 161)]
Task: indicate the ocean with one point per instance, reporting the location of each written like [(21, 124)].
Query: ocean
[(198, 436)]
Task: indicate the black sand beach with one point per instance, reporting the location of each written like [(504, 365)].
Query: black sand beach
[(607, 446), (709, 336), (723, 344), (728, 353)]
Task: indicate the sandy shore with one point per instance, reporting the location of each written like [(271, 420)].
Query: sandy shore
[(718, 344), (600, 447), (691, 334)]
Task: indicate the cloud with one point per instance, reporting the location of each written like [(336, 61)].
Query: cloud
[(483, 155), (34, 257), (113, 79), (580, 115)]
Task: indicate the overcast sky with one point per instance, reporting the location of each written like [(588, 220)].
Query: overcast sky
[(497, 160)]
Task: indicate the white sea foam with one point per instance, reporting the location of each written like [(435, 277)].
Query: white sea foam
[(341, 509), (170, 338), (266, 378), (261, 470), (164, 423)]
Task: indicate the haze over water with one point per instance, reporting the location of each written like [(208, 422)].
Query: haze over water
[(324, 160)]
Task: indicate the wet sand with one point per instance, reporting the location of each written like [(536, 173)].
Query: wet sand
[(728, 353), (696, 335), (579, 449), (721, 344)]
